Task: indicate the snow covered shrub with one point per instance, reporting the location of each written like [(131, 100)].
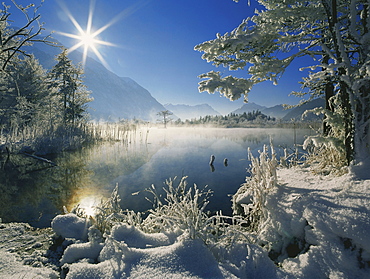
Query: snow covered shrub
[(70, 226), (225, 233), (109, 212), (249, 200), (182, 208), (106, 214), (291, 159), (182, 212), (327, 152)]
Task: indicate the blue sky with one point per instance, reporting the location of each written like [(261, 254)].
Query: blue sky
[(155, 42)]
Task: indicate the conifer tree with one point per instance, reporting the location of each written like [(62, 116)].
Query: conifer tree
[(31, 89), (24, 96), (73, 96)]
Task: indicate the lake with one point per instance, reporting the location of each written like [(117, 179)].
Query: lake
[(34, 192)]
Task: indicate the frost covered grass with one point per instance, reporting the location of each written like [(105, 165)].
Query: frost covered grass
[(44, 140), (120, 131), (181, 211), (249, 201), (182, 208)]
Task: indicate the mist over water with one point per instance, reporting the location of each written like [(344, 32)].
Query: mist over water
[(150, 156), (187, 151)]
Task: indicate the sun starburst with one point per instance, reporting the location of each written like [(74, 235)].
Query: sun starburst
[(88, 39)]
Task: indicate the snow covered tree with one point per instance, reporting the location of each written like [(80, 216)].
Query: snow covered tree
[(13, 36), (335, 33), (30, 92), (30, 83), (24, 97), (67, 79)]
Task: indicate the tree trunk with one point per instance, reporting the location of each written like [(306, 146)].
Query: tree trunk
[(348, 119), (329, 92)]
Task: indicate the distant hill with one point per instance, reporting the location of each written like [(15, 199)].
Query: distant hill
[(188, 112), (297, 112), (249, 107), (277, 111), (114, 97)]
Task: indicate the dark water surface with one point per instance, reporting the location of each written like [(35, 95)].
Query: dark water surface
[(33, 192)]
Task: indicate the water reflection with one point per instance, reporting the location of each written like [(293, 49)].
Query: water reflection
[(23, 185), (187, 152), (33, 192)]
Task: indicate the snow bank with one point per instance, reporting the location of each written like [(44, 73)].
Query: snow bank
[(133, 237), (318, 226), (70, 226), (22, 252), (127, 252), (185, 258), (12, 267)]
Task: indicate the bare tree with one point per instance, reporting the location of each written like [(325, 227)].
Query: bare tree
[(165, 114), (13, 39)]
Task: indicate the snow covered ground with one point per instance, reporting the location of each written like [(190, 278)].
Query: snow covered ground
[(316, 227)]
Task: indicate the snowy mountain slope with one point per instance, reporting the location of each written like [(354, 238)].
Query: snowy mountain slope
[(118, 97), (188, 112), (297, 112), (277, 111), (114, 97)]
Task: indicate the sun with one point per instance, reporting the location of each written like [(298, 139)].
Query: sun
[(87, 38)]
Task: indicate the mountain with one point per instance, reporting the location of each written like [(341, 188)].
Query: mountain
[(277, 111), (188, 112), (114, 97), (297, 112), (248, 107)]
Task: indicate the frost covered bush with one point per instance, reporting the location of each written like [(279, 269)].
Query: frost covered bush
[(290, 159), (183, 208), (250, 199), (327, 152), (106, 214), (180, 211)]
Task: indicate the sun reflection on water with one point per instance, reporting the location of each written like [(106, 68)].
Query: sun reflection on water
[(88, 205)]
